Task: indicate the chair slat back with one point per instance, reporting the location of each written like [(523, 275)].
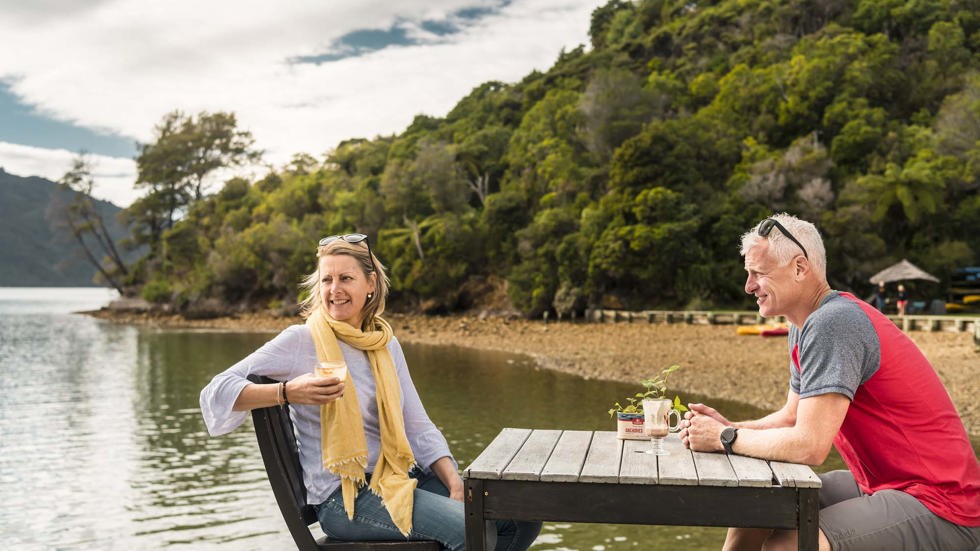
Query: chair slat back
[(277, 442)]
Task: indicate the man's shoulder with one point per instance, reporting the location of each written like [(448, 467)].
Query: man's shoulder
[(838, 305), (840, 315)]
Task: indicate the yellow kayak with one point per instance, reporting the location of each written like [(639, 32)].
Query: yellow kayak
[(764, 329)]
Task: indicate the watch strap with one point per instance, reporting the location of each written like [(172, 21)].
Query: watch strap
[(727, 443)]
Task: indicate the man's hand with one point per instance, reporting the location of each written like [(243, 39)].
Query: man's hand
[(702, 431), (701, 409)]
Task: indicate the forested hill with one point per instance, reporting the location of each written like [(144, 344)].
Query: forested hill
[(34, 250), (623, 175)]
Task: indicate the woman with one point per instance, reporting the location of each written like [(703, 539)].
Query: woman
[(374, 465)]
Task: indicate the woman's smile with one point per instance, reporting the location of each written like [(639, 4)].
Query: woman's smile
[(344, 287)]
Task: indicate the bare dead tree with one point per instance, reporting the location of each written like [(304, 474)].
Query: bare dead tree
[(80, 217), (481, 186)]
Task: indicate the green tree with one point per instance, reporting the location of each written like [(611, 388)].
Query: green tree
[(615, 107), (641, 256), (174, 168)]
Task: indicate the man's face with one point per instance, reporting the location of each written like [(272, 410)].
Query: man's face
[(773, 285)]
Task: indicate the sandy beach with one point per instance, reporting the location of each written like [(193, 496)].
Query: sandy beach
[(716, 361)]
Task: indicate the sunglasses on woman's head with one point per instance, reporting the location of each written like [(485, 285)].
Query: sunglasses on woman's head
[(766, 226), (352, 238)]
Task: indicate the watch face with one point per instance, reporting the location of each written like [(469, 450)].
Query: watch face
[(728, 435)]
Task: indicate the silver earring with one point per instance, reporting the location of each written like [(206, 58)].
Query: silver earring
[(370, 296)]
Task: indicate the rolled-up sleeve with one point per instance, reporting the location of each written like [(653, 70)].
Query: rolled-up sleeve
[(275, 359), (427, 441)]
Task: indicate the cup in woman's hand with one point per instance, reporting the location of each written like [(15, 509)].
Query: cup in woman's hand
[(331, 369)]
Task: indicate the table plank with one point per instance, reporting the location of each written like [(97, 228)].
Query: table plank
[(602, 461), (638, 468), (793, 475), (568, 457), (531, 458), (494, 459), (714, 469), (678, 467), (530, 475), (751, 471)]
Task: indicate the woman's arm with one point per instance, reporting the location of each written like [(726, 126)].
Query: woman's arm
[(219, 400), (445, 469), (259, 396), (305, 389)]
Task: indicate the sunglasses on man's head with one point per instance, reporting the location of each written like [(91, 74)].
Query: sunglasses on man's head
[(766, 226), (352, 238)]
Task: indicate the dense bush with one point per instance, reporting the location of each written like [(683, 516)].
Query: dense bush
[(624, 174)]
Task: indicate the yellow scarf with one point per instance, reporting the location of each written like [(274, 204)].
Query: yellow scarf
[(342, 428)]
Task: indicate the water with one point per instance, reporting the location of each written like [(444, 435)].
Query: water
[(102, 445)]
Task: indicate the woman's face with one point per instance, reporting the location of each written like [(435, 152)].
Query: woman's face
[(344, 288)]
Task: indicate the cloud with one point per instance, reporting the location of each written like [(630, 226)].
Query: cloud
[(113, 176), (120, 66)]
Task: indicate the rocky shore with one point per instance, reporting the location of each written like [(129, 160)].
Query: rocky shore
[(716, 361)]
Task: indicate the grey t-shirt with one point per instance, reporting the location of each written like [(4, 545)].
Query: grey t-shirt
[(838, 349)]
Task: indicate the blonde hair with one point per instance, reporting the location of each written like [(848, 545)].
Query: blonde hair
[(783, 249), (369, 263)]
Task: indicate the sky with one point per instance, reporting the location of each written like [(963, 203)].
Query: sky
[(97, 76)]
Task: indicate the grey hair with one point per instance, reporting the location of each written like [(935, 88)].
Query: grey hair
[(375, 306), (783, 249)]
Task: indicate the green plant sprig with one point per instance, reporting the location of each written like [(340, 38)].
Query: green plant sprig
[(655, 389)]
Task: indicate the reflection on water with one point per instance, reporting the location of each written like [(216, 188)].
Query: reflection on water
[(102, 445)]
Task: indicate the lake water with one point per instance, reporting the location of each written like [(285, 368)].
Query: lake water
[(102, 445)]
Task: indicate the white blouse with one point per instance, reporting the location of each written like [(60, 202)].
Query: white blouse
[(291, 354)]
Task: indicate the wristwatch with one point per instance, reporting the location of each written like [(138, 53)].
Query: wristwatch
[(728, 436)]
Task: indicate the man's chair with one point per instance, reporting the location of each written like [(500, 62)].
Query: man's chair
[(277, 441)]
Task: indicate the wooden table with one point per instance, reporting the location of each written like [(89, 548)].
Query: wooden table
[(582, 476)]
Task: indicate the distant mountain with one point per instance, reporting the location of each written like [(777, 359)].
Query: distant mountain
[(33, 251)]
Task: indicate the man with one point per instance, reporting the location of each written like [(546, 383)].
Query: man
[(880, 297), (859, 383)]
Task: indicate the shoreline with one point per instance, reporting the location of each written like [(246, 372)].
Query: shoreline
[(716, 361)]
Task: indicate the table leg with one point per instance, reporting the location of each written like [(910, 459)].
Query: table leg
[(476, 527), (809, 508)]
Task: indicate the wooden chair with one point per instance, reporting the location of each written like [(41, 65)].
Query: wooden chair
[(277, 442)]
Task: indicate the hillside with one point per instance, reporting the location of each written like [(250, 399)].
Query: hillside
[(33, 252), (623, 175)]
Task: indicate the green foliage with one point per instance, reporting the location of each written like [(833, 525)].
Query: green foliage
[(174, 170), (157, 291), (623, 175), (653, 389)]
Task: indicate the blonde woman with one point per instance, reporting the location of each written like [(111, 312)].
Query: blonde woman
[(374, 465)]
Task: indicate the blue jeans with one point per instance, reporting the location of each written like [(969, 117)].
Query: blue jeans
[(434, 517)]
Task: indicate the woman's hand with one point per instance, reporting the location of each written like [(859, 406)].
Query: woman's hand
[(456, 489), (314, 390)]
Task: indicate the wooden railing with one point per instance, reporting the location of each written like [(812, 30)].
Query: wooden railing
[(913, 322)]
